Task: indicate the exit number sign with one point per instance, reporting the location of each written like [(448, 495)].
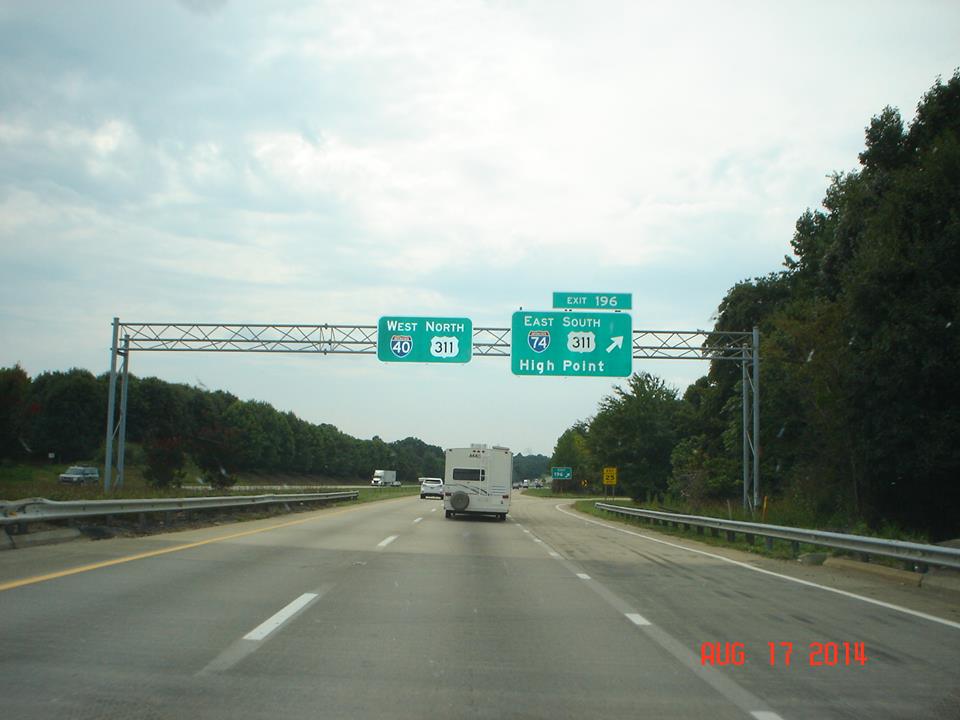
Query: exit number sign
[(592, 301)]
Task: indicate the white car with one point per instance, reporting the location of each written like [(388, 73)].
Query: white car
[(80, 475), (431, 487)]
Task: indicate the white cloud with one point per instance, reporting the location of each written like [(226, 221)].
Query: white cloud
[(335, 161)]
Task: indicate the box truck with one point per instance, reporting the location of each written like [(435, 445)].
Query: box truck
[(385, 478), (478, 480)]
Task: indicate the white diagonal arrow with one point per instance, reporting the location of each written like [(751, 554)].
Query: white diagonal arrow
[(617, 343)]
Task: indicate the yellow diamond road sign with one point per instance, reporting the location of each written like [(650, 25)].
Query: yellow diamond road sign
[(609, 476)]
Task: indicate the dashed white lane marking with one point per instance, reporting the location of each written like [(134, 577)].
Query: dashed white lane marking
[(278, 619), (526, 531), (554, 554), (583, 576), (765, 715), (417, 520), (249, 643), (537, 540), (433, 509), (637, 619), (386, 541), (889, 606)]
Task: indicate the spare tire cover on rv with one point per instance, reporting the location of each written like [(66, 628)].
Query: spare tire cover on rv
[(460, 500)]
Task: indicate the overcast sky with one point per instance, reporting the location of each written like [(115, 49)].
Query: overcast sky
[(332, 162)]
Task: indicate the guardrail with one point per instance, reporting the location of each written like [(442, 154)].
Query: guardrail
[(916, 556), (21, 512)]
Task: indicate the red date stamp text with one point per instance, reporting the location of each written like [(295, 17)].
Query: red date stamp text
[(785, 654)]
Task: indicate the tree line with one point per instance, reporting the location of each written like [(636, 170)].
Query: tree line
[(860, 355), (64, 413)]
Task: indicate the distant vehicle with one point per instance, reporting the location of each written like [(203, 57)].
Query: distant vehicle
[(385, 478), (526, 483), (80, 475), (431, 487), (477, 480), (538, 483), (516, 484)]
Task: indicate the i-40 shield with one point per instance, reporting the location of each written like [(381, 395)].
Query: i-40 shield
[(401, 345)]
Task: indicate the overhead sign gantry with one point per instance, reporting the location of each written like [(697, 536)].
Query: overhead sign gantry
[(585, 344)]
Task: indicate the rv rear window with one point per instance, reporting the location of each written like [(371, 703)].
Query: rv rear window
[(468, 474)]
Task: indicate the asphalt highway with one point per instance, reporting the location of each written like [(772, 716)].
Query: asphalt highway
[(389, 610)]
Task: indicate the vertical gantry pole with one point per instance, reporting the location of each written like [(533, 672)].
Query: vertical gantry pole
[(745, 405), (756, 416), (111, 408), (122, 436)]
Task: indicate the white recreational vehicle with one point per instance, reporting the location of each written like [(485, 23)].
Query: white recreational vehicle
[(478, 480)]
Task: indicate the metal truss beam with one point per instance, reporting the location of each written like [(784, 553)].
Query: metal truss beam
[(689, 345), (362, 340)]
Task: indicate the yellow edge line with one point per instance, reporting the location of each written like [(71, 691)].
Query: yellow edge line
[(153, 553)]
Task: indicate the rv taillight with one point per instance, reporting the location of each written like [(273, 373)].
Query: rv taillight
[(506, 497)]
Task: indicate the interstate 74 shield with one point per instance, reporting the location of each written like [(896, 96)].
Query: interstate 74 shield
[(538, 340)]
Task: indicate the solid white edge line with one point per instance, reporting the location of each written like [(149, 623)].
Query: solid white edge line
[(765, 715), (387, 541), (276, 620), (417, 520), (583, 576), (880, 603), (637, 619)]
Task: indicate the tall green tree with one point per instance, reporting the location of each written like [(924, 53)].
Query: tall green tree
[(634, 430), (572, 451), (68, 414), (14, 404)]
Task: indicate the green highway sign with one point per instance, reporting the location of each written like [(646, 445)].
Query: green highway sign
[(571, 344), (561, 473), (424, 339), (592, 301)]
